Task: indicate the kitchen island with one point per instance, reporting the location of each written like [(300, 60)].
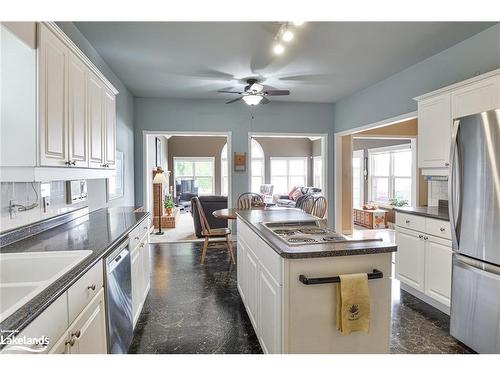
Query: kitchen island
[(293, 312)]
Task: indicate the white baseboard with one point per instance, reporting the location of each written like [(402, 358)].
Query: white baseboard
[(438, 305)]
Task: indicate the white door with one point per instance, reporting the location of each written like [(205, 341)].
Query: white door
[(269, 313), (95, 90), (110, 129), (89, 329), (434, 132), (137, 288), (438, 265), (358, 180), (252, 281), (77, 119), (410, 258), (52, 99), (61, 346)]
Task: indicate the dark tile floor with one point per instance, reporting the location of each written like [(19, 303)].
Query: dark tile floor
[(198, 310)]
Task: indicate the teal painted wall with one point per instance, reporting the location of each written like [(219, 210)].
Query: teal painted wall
[(214, 115), (394, 95)]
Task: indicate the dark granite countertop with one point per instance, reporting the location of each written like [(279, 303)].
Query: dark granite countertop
[(99, 231), (434, 212), (255, 218)]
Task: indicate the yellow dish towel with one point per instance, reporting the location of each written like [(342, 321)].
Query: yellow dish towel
[(353, 303)]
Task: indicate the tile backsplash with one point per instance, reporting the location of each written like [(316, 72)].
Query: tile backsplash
[(26, 193), (438, 189)]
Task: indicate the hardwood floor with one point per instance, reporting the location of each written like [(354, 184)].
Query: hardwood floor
[(193, 309)]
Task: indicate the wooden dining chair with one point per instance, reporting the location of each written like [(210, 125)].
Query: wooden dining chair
[(319, 207), (207, 232), (305, 203), (247, 201)]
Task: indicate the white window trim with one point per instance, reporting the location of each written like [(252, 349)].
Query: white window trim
[(360, 154), (222, 161), (318, 157), (193, 159), (380, 150), (303, 158), (262, 159)]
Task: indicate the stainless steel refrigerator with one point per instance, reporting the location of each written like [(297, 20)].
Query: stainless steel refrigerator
[(474, 194)]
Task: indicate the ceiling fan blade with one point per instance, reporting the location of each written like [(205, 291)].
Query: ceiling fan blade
[(234, 100), (264, 100), (276, 92), (230, 92)]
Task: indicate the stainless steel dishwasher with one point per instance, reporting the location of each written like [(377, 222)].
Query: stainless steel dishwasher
[(119, 299)]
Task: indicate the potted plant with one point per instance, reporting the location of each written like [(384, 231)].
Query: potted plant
[(169, 205), (398, 202)]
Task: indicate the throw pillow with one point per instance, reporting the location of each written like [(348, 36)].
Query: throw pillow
[(296, 194), (290, 194)]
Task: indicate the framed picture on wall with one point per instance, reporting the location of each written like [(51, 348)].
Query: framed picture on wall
[(240, 161), (158, 151), (116, 184)]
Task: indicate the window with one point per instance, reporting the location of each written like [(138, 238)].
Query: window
[(199, 169), (224, 172), (318, 172), (391, 173), (257, 166), (358, 183), (287, 173)]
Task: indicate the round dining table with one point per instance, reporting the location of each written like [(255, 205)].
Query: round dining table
[(225, 213)]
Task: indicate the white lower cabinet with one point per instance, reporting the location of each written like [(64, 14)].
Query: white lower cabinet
[(410, 258), (424, 261), (260, 289), (139, 266)]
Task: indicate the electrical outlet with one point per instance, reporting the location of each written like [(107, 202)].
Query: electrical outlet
[(46, 204), (12, 210)]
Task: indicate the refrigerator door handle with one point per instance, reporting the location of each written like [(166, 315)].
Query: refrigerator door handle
[(455, 186), (477, 266)]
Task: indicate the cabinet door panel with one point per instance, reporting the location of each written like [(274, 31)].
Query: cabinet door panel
[(410, 258), (89, 329), (438, 260), (95, 113), (145, 269), (137, 288), (269, 313), (53, 117), (77, 122), (477, 97), (434, 132), (252, 278), (110, 128)]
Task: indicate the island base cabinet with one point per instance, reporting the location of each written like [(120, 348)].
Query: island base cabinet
[(310, 310), (410, 258)]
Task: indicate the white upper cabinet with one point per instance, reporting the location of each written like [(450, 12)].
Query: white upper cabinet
[(437, 110), (110, 128), (53, 118), (476, 97), (96, 128), (434, 132), (77, 112), (75, 124)]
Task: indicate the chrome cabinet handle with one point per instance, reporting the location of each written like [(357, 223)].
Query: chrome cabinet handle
[(420, 236), (91, 287), (442, 229), (77, 334), (407, 221), (136, 238), (71, 341), (426, 238), (142, 244), (446, 164)]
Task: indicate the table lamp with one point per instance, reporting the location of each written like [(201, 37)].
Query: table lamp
[(160, 179)]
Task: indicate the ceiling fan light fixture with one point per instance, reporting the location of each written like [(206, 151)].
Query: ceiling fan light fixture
[(278, 49), (252, 99), (287, 35)]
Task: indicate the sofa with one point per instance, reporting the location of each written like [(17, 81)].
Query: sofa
[(266, 192), (287, 201), (209, 203)]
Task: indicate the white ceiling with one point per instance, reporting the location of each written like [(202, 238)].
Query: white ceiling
[(326, 60)]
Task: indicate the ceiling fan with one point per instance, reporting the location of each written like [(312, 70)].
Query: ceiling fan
[(254, 93)]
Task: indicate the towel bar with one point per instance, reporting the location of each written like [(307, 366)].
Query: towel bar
[(376, 274)]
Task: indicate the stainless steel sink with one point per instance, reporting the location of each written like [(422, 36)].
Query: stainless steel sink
[(25, 275)]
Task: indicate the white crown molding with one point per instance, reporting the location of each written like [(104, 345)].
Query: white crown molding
[(52, 26)]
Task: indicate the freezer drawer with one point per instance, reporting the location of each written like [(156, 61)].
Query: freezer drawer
[(475, 304)]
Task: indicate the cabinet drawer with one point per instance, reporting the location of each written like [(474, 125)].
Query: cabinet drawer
[(81, 293), (51, 323), (410, 221), (136, 235), (438, 228)]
